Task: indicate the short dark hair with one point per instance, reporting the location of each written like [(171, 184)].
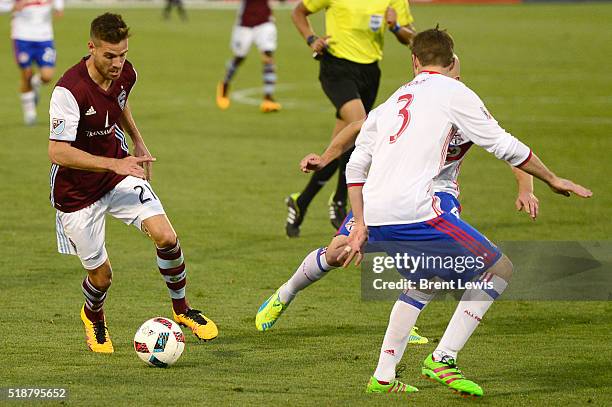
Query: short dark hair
[(433, 47), (109, 27)]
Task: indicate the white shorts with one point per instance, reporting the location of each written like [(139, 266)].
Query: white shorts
[(82, 233), (264, 36)]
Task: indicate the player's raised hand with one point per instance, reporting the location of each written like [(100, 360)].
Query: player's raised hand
[(528, 202), (311, 162), (566, 187), (131, 166), (354, 246), (141, 150)]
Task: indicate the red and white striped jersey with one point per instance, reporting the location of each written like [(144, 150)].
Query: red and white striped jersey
[(403, 146), (35, 21)]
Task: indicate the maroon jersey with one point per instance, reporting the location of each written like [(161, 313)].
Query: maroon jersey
[(254, 12), (87, 116)]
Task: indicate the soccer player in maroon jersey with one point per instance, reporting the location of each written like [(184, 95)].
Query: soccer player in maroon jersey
[(93, 174), (255, 23)]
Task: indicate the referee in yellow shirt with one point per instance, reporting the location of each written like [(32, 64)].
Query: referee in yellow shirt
[(349, 75)]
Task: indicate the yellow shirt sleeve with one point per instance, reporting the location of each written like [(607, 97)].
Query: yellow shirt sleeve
[(401, 7), (315, 5)]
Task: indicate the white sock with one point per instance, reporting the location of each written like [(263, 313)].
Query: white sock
[(312, 269), (36, 81), (29, 107), (402, 319), (470, 310)]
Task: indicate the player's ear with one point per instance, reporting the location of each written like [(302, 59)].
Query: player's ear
[(415, 64), (91, 46)]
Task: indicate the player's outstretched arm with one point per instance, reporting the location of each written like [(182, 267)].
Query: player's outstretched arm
[(536, 167), (140, 148), (525, 200), (339, 144), (62, 153)]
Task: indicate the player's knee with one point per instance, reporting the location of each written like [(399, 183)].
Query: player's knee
[(331, 257), (503, 268), (165, 239), (46, 77), (334, 250)]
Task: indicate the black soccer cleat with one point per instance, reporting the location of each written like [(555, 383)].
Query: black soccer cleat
[(295, 216), (337, 212)]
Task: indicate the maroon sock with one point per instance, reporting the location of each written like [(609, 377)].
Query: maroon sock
[(94, 301), (172, 268)]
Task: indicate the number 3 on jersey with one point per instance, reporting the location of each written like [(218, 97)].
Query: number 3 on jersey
[(405, 114)]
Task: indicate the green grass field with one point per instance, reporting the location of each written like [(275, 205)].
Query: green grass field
[(544, 73)]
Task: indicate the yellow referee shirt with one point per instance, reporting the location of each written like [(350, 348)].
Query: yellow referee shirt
[(357, 27)]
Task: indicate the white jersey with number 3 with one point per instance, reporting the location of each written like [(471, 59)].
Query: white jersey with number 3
[(35, 21), (404, 142)]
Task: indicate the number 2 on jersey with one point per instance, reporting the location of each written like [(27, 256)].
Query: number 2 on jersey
[(405, 114)]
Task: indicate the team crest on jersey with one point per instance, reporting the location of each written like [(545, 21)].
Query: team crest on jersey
[(376, 22), (58, 126), (121, 99)]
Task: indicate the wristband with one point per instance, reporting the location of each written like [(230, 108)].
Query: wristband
[(395, 28), (311, 39)]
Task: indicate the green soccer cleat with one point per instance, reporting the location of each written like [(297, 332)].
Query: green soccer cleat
[(393, 387), (447, 373), (415, 338), (269, 312)]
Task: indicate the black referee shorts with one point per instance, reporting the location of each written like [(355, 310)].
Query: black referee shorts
[(343, 80)]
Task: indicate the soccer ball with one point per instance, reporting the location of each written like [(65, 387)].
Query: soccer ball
[(159, 342)]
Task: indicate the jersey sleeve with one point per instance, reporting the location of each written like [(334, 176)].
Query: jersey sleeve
[(402, 8), (361, 158), (315, 5), (64, 115), (470, 115)]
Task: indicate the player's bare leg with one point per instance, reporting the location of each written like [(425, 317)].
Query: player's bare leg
[(28, 96), (95, 286), (298, 202), (223, 101), (441, 364), (269, 79), (172, 267)]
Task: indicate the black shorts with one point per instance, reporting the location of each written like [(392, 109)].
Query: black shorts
[(343, 80)]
